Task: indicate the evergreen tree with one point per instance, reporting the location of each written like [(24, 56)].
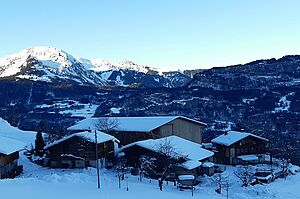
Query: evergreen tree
[(39, 144)]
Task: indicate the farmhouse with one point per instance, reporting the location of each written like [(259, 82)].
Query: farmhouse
[(78, 150), (235, 147), (132, 129), (9, 155), (187, 156)]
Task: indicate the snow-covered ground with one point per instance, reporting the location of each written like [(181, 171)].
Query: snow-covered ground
[(284, 103), (71, 107), (38, 182)]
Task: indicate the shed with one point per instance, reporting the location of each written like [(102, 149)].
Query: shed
[(9, 155), (78, 150)]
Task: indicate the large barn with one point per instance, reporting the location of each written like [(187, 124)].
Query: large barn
[(132, 129)]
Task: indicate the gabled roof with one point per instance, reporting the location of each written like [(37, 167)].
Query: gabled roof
[(9, 146), (232, 137), (89, 136), (181, 147), (130, 124)]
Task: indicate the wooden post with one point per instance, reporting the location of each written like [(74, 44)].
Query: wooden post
[(97, 162)]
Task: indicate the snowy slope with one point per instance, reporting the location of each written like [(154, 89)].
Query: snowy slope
[(47, 64), (52, 64), (128, 73), (8, 131), (37, 182), (104, 65)]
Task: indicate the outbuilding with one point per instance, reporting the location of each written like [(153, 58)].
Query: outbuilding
[(235, 147), (78, 150), (9, 156)]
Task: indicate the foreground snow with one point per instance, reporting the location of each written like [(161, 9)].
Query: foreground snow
[(38, 182)]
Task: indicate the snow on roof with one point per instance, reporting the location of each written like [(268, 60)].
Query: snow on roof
[(208, 164), (232, 137), (9, 146), (71, 156), (186, 177), (181, 147), (14, 133), (130, 124), (89, 136), (191, 164), (248, 157)]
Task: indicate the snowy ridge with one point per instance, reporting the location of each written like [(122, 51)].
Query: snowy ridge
[(47, 64), (49, 56), (98, 65), (50, 64)]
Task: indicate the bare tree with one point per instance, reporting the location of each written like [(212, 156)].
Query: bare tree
[(147, 166), (227, 185), (245, 175), (167, 158), (284, 155), (219, 180), (107, 124), (122, 169)]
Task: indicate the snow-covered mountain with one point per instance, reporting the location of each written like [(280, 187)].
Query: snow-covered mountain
[(47, 64), (51, 64), (98, 65)]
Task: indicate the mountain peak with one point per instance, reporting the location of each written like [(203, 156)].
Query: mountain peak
[(48, 53)]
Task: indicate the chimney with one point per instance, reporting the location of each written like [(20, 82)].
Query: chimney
[(226, 133)]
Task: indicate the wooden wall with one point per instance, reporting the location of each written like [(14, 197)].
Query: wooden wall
[(182, 128), (6, 159), (246, 146), (82, 148), (130, 137)]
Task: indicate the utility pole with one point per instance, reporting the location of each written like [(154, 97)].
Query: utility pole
[(97, 162)]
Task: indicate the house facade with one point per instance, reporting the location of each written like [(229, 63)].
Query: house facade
[(132, 129), (78, 150), (235, 147), (9, 156)]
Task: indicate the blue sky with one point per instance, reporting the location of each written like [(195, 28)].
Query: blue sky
[(164, 33)]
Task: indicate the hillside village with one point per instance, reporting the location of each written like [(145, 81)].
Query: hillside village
[(167, 150)]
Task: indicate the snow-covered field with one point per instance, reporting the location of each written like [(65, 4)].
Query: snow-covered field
[(38, 182), (72, 107)]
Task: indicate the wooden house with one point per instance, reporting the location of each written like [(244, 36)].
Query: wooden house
[(132, 129), (235, 147), (186, 156), (78, 150), (9, 155)]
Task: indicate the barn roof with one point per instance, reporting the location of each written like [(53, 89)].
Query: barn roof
[(9, 146), (232, 137), (129, 124), (180, 147), (89, 136)]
